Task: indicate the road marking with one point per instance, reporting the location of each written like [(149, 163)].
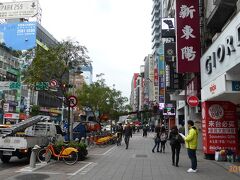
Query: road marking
[(105, 152), (38, 166), (84, 169)]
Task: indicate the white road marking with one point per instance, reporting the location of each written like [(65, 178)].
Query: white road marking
[(38, 166), (84, 169), (105, 152)]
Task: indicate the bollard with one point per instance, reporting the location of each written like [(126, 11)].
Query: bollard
[(88, 141), (34, 156)]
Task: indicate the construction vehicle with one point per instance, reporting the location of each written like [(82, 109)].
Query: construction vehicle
[(19, 139)]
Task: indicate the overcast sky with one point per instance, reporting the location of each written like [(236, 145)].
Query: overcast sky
[(117, 33)]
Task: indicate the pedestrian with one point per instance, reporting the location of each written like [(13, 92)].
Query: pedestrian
[(128, 134), (191, 141), (175, 143), (119, 130), (145, 130), (157, 138), (163, 138)]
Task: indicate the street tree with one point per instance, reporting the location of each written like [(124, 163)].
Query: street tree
[(55, 62), (101, 98)]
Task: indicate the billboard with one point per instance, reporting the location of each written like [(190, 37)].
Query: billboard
[(18, 36), (22, 9), (219, 126), (188, 36), (168, 27)]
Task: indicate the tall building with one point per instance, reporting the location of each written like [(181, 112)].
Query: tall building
[(156, 24), (87, 73)]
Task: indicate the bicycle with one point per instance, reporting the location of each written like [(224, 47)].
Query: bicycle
[(69, 154)]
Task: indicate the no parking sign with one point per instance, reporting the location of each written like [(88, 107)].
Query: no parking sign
[(72, 101)]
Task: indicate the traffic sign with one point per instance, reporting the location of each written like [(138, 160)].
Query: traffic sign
[(193, 101), (72, 101), (53, 83), (15, 85), (41, 86)]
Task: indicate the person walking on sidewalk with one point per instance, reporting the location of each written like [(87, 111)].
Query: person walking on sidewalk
[(157, 138), (163, 139), (175, 143), (191, 141), (119, 130), (128, 134)]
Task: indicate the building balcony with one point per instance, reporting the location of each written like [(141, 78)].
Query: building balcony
[(220, 14)]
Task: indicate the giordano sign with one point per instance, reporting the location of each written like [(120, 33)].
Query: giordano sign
[(223, 54)]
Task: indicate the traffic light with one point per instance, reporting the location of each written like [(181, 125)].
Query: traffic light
[(67, 86)]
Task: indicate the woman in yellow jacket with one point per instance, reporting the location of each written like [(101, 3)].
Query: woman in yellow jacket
[(191, 142)]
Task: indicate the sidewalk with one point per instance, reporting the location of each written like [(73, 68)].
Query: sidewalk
[(139, 163), (136, 163)]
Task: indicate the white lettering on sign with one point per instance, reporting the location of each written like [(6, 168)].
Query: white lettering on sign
[(186, 11), (188, 53), (187, 32)]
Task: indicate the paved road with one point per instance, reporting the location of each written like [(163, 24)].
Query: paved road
[(136, 163)]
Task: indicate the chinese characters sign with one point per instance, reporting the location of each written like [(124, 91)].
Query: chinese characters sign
[(188, 36), (219, 126)]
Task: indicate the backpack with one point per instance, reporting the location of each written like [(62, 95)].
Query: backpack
[(163, 136), (176, 139)]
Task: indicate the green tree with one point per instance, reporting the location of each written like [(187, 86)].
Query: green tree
[(55, 63), (102, 98)]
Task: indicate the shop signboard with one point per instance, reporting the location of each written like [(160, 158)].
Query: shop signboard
[(168, 27), (18, 36), (219, 126), (223, 54), (18, 9), (187, 36)]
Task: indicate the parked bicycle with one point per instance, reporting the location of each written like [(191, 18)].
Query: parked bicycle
[(68, 154)]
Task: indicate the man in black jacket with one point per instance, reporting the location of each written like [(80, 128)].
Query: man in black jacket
[(128, 134)]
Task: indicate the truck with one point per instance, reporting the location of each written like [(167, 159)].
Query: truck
[(18, 140)]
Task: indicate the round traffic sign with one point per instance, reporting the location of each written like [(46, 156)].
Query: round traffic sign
[(72, 101), (193, 101), (53, 83)]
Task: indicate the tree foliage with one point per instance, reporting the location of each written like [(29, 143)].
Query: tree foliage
[(55, 62), (99, 97)]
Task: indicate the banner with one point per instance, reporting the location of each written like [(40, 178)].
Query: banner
[(18, 36), (219, 126), (188, 36)]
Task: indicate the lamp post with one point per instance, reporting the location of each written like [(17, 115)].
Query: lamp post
[(75, 72)]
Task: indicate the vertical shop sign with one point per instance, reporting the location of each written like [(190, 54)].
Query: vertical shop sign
[(188, 36), (161, 72), (219, 126)]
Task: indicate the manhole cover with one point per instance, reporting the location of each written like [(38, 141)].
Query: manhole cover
[(32, 176), (141, 155)]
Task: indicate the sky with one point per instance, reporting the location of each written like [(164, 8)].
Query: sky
[(117, 34)]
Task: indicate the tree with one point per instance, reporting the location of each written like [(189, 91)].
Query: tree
[(55, 63), (102, 98)]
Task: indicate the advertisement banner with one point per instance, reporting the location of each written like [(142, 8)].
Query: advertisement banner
[(18, 36), (188, 36), (219, 126), (22, 9), (161, 72)]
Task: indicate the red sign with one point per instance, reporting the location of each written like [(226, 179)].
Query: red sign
[(193, 101), (72, 101), (188, 36), (219, 126), (53, 83)]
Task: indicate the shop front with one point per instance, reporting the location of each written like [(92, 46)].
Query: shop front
[(220, 93)]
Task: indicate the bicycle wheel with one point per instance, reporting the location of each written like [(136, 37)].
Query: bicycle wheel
[(44, 155), (71, 158)]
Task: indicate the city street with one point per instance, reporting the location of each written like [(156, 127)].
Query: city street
[(117, 163)]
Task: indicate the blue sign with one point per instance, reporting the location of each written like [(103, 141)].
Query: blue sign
[(236, 85), (18, 36)]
